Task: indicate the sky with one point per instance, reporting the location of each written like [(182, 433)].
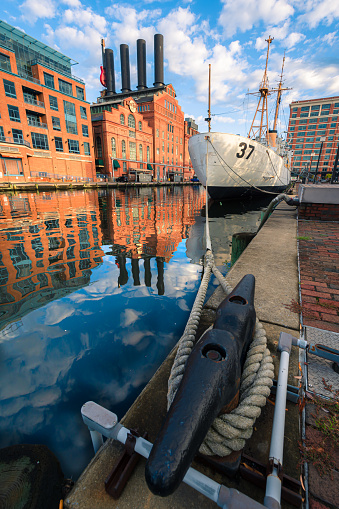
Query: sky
[(228, 34)]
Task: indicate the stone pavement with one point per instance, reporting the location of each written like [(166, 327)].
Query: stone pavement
[(319, 281), (319, 273)]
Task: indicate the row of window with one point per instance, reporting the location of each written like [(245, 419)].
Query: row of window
[(130, 121), (53, 102), (171, 129), (64, 86), (142, 108), (314, 121), (316, 107), (170, 106), (34, 119), (132, 149)]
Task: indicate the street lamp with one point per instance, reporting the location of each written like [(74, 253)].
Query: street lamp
[(322, 139)]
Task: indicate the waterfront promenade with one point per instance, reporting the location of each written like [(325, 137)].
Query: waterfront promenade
[(272, 257)]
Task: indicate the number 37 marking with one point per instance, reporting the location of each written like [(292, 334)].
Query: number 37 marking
[(242, 150)]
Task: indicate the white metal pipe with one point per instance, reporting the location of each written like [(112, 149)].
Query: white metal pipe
[(97, 440), (273, 483)]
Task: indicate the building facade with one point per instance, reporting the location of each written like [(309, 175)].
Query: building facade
[(45, 124), (153, 124), (313, 136)]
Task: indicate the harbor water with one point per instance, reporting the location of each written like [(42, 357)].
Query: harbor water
[(95, 290)]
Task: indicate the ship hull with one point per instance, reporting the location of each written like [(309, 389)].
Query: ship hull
[(233, 166)]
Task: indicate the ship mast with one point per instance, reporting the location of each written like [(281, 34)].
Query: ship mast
[(208, 119), (279, 96), (258, 130)]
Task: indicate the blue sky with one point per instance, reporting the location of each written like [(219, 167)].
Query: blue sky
[(228, 34)]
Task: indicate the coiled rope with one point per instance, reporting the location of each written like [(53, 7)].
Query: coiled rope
[(229, 431)]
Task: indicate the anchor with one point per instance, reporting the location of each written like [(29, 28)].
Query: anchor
[(209, 387)]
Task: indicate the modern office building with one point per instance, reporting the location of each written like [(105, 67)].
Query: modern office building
[(45, 124), (313, 135), (134, 115)]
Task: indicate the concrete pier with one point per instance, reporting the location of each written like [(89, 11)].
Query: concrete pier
[(272, 258)]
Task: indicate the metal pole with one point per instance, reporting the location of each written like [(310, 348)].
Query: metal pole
[(273, 483), (335, 167), (321, 148)]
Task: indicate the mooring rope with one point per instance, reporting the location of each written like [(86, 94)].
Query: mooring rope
[(229, 431)]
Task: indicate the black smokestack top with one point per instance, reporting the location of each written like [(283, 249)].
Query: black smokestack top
[(158, 60), (125, 69), (110, 78), (141, 59)]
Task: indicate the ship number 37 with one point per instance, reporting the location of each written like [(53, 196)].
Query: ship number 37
[(242, 150)]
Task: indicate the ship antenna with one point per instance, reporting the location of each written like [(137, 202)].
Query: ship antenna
[(262, 104), (208, 119)]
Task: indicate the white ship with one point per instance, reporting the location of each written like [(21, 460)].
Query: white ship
[(231, 165)]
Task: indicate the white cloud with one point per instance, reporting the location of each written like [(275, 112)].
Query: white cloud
[(320, 11), (244, 14), (35, 9)]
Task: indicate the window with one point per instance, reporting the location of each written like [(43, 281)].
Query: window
[(305, 108), (157, 131), (2, 134), (11, 166), (140, 125), (73, 146), (40, 141), (83, 112), (322, 126), (148, 155), (133, 150), (98, 146), (70, 118), (123, 149), (314, 113), (131, 134), (124, 166), (85, 130), (114, 147), (13, 113), (56, 124), (87, 149), (80, 93), (140, 153), (163, 134), (53, 102), (122, 119), (9, 89), (303, 114), (315, 107), (5, 62), (65, 87), (17, 136), (49, 80), (58, 144), (180, 141), (163, 146), (131, 121)]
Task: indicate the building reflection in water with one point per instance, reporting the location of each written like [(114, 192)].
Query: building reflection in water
[(95, 290), (51, 242)]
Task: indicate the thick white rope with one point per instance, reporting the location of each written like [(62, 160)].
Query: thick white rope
[(229, 431)]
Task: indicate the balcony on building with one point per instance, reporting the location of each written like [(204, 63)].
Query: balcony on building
[(35, 120), (32, 96)]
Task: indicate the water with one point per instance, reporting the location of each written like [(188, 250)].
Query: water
[(95, 290)]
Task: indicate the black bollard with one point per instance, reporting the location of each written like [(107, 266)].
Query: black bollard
[(210, 386)]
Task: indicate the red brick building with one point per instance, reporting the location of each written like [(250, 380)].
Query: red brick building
[(45, 128), (156, 107), (123, 140), (313, 135), (154, 124)]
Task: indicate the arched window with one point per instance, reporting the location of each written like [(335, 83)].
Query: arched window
[(99, 146), (114, 147), (140, 152), (140, 125), (123, 149), (131, 121), (148, 155), (122, 119)]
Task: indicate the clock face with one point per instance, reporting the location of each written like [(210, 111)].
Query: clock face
[(132, 106)]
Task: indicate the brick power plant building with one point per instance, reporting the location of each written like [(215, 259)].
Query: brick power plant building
[(45, 124), (141, 133)]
